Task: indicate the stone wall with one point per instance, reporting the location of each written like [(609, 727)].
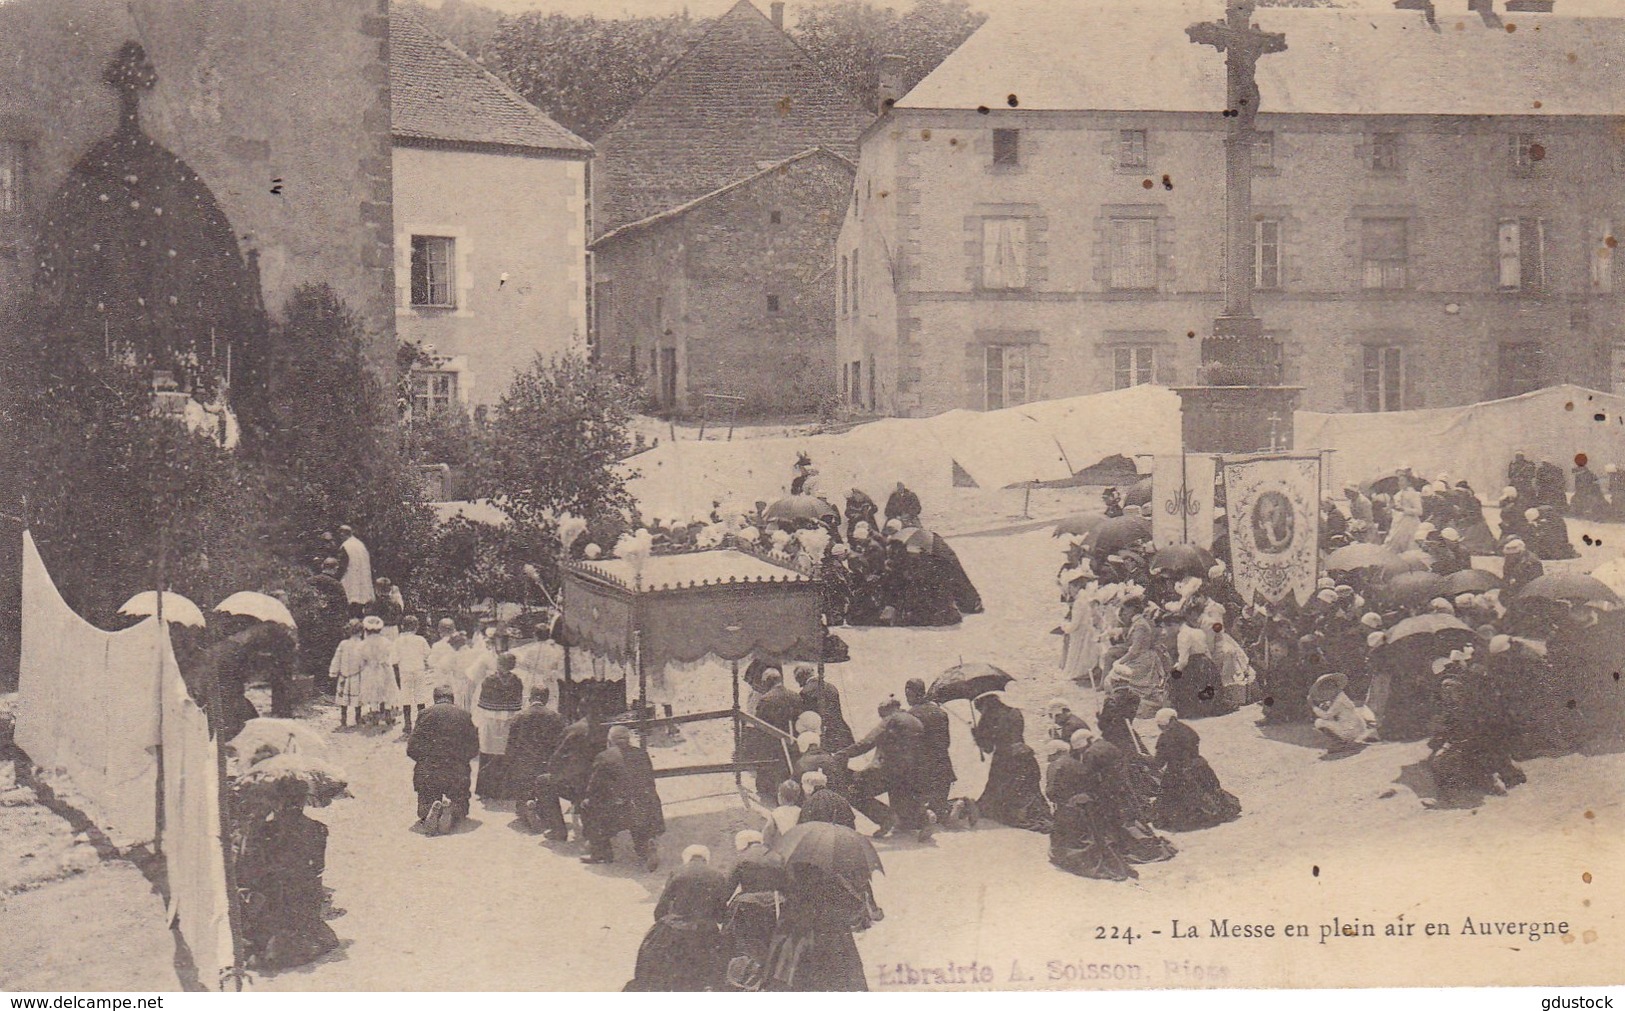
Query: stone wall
[(1456, 180), (281, 108), (510, 215), (714, 270)]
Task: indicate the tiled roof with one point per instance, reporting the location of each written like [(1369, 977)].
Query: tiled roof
[(439, 94), (682, 209), (743, 96), (1135, 56)]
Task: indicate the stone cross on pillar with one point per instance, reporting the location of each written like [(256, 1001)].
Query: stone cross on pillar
[(130, 73), (1238, 343)]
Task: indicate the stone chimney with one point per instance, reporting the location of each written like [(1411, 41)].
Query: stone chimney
[(1530, 6), (777, 7), (891, 80), (1486, 10)]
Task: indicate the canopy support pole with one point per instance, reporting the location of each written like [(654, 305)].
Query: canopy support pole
[(739, 782), (643, 681)]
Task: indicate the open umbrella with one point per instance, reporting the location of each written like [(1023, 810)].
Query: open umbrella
[(1468, 581), (1079, 524), (1571, 587), (1139, 493), (834, 849), (966, 681), (263, 606), (793, 508), (1182, 559), (280, 736), (1449, 626), (1411, 588), (1388, 484), (177, 609), (1117, 533), (1353, 557)]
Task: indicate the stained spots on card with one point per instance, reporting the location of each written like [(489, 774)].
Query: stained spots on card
[(1167, 183), (1579, 459), (1586, 877), (984, 110), (1314, 871), (1148, 184), (1591, 816), (1012, 101)]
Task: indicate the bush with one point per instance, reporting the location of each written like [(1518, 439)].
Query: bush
[(118, 498), (556, 441), (333, 450)]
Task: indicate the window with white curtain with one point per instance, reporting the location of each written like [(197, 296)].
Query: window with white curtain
[(1005, 376), (1602, 256), (1004, 253), (1133, 365), (1134, 254), (1384, 378), (1521, 254)]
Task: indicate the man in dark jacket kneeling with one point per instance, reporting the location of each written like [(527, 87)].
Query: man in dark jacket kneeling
[(443, 744)]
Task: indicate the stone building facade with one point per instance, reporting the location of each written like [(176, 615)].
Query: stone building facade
[(303, 172), (715, 150), (728, 295), (1427, 233), (490, 237)]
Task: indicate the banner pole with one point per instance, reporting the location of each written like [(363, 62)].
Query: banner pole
[(1184, 499)]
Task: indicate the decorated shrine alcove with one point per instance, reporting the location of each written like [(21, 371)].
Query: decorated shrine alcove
[(138, 261)]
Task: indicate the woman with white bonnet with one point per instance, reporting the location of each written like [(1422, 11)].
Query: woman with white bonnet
[(684, 950), (1336, 716), (753, 908), (1190, 796)]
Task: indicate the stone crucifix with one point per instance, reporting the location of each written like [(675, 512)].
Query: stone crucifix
[(1238, 333)]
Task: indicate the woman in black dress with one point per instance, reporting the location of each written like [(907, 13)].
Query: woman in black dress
[(1191, 797), (1014, 794)]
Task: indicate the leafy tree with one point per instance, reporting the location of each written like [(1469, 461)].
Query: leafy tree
[(586, 72), (118, 497), (468, 26), (334, 449), (849, 37), (557, 439)]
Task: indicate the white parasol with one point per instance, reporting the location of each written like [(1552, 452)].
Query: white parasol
[(177, 609), (263, 606), (280, 736)]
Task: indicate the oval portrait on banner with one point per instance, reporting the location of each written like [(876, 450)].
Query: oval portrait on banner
[(1273, 523)]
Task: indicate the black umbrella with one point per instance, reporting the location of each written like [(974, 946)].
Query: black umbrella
[(966, 681), (1117, 533), (1182, 560), (1572, 587), (1469, 581), (834, 849)]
